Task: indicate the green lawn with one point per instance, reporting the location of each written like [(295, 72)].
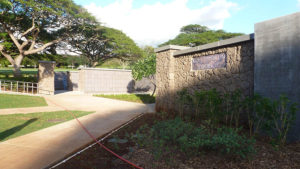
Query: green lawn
[(139, 98), (20, 101), (19, 124)]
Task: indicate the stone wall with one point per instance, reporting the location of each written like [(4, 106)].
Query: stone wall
[(46, 77), (174, 70), (165, 78), (238, 73)]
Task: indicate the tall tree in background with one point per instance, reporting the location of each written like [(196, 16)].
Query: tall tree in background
[(148, 50), (99, 43), (5, 4), (194, 28), (194, 35), (31, 26), (123, 47), (90, 43)]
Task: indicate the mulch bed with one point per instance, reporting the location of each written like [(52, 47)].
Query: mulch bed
[(96, 157)]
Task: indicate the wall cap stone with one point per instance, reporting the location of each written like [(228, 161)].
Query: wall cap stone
[(44, 61), (169, 47), (120, 70), (220, 43)]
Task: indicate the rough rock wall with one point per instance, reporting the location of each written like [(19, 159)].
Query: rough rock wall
[(46, 77), (165, 80), (238, 73), (174, 73)]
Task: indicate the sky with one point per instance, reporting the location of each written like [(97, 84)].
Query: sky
[(152, 22)]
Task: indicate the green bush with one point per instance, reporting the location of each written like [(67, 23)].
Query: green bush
[(272, 117), (165, 136)]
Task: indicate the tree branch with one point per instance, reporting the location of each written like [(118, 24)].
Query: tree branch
[(13, 38), (24, 44), (34, 39), (7, 56), (28, 52), (30, 29)]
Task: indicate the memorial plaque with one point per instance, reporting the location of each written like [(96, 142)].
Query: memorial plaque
[(209, 62)]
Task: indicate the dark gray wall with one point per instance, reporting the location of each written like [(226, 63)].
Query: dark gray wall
[(61, 81), (144, 85), (277, 61)]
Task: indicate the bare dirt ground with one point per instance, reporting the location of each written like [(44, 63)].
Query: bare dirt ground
[(95, 157)]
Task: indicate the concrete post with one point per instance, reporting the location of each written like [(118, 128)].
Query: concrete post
[(46, 77)]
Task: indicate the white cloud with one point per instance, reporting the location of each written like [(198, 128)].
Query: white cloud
[(157, 23), (299, 3)]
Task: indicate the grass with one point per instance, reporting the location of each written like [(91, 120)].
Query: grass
[(139, 98), (15, 125), (20, 101)]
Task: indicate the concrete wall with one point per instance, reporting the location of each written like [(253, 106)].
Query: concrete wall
[(73, 80), (94, 80), (174, 70), (277, 60)]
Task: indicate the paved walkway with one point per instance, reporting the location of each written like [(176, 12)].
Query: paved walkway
[(47, 146)]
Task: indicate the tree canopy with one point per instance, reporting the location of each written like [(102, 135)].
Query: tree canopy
[(98, 44), (195, 35), (32, 26), (123, 47)]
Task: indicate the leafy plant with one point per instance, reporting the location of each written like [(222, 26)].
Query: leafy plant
[(165, 136), (271, 117), (228, 141), (183, 98), (283, 115)]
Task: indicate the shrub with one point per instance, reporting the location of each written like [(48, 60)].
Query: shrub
[(165, 136), (281, 117), (272, 117)]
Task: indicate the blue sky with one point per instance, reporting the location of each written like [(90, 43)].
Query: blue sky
[(151, 22)]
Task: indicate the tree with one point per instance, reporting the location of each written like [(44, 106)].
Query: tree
[(194, 28), (122, 46), (33, 26), (5, 4), (145, 68), (90, 43), (98, 44), (148, 51), (195, 35)]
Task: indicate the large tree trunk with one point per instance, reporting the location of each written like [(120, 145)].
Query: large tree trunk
[(17, 71), (17, 65), (94, 64)]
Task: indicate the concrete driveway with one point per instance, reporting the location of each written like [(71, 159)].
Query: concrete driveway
[(47, 146)]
